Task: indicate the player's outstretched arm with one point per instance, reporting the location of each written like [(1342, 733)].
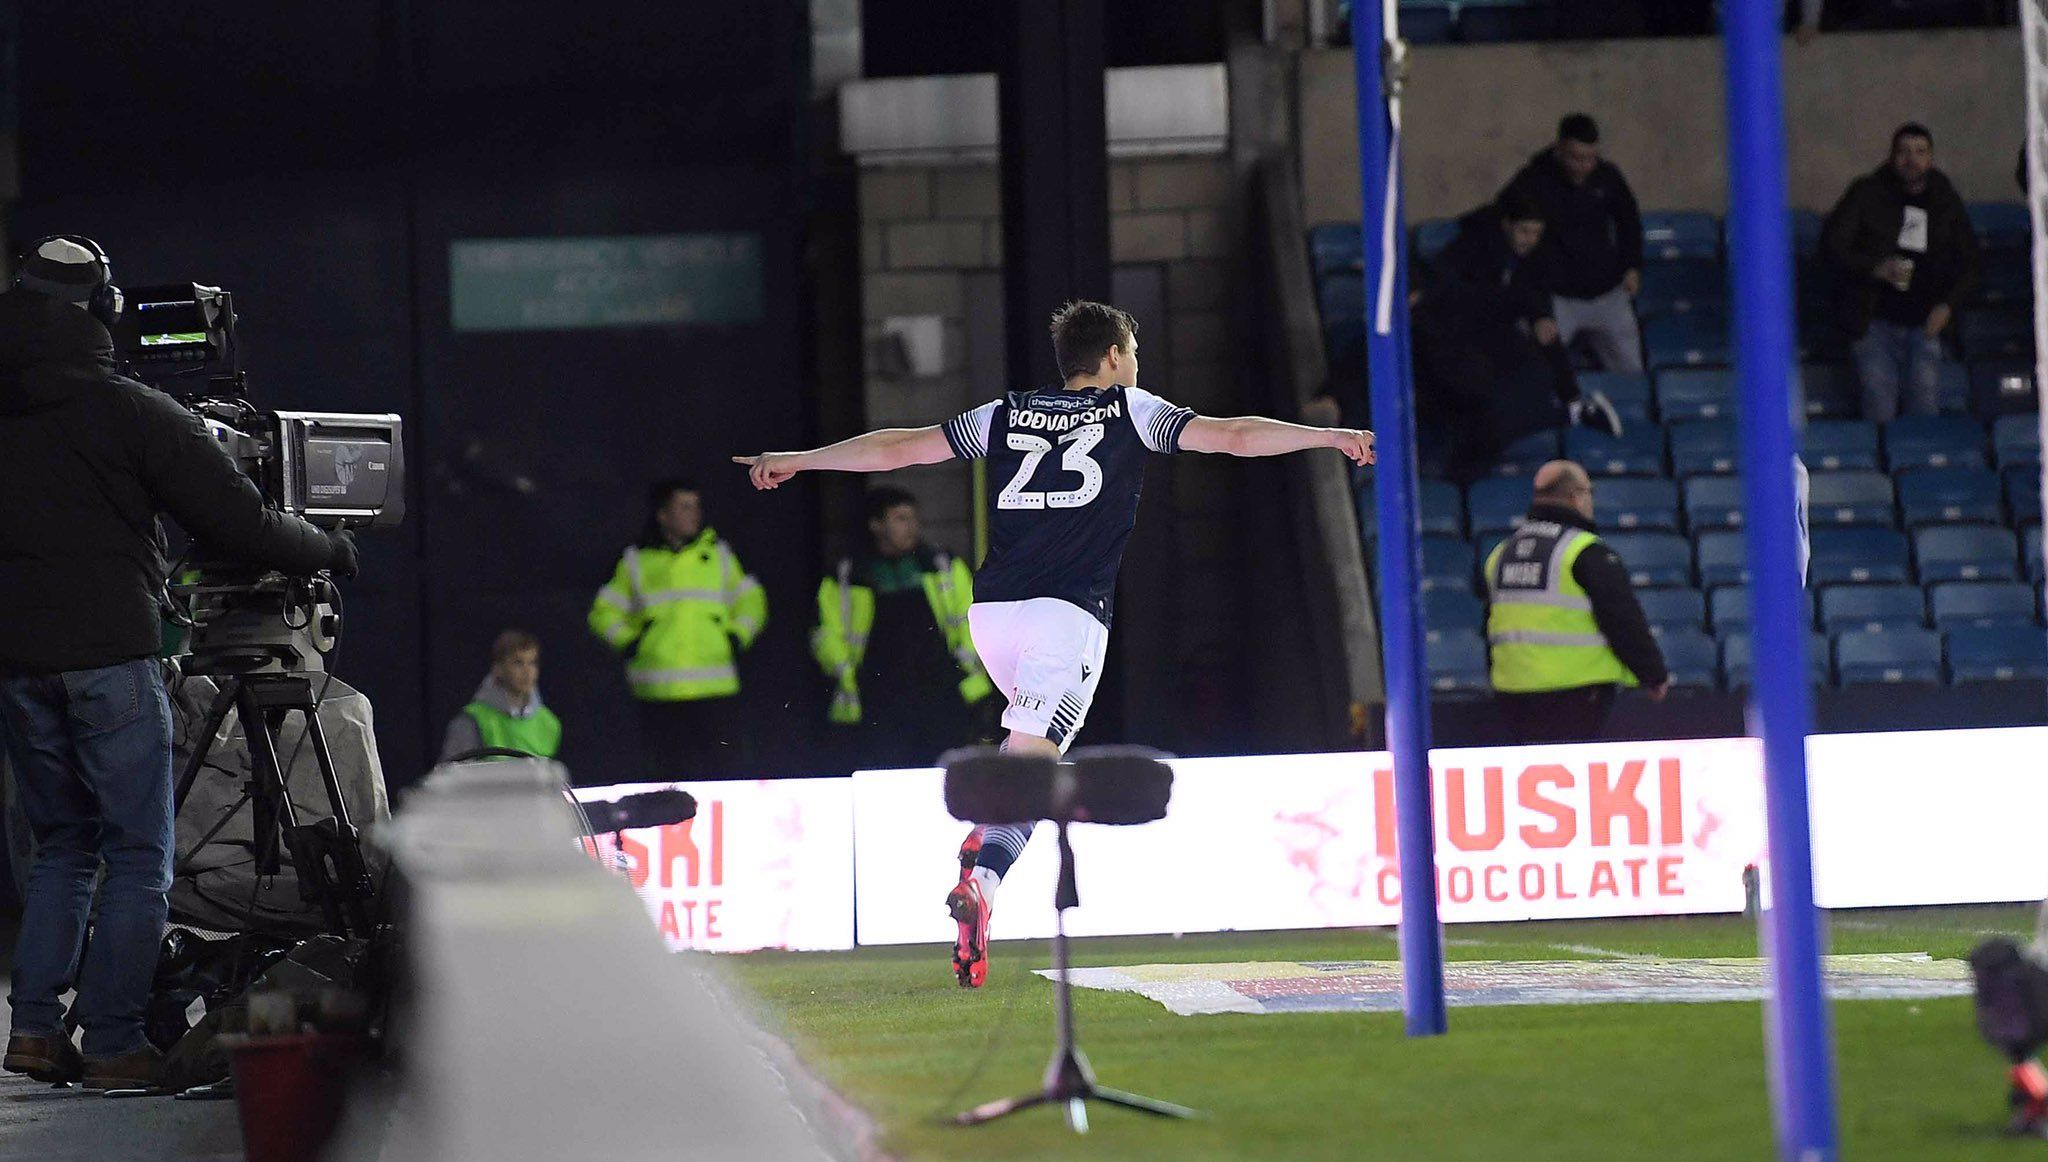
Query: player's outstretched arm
[(1259, 436), (881, 451)]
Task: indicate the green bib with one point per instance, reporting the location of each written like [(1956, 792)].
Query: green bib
[(539, 733), (1539, 623)]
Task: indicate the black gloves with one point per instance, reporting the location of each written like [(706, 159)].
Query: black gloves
[(343, 558)]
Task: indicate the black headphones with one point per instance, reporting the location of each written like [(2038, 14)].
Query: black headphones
[(106, 301)]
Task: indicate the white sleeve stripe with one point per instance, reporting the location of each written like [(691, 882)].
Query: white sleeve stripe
[(1168, 425)]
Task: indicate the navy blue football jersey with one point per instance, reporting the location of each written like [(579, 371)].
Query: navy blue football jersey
[(1065, 469)]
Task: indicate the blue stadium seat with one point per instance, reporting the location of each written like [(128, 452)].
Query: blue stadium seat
[(1689, 655), (1628, 391), (1729, 607), (1425, 22), (1680, 608), (1950, 495), (1987, 332), (1694, 340), (2005, 278), (1670, 234), (2001, 225), (1994, 653), (1982, 603), (1865, 658), (1849, 498), (2002, 386), (1340, 294), (1636, 503), (1722, 559), (1952, 386), (1872, 607), (1452, 611), (1447, 563), (1695, 393), (2023, 495), (1858, 556), (1432, 236), (1497, 503), (1683, 286), (1829, 391), (1704, 447), (1526, 455), (1443, 508), (1713, 502), (1934, 442), (1839, 446), (2016, 440), (2030, 551), (1966, 553), (1654, 558), (1457, 663), (1806, 227), (1638, 451), (1738, 659), (1334, 247)]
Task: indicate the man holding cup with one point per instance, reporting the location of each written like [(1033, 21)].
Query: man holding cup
[(1904, 255)]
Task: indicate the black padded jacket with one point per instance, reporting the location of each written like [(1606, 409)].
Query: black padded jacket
[(88, 460)]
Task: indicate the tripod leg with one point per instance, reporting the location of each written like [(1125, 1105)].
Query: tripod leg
[(351, 884), (1147, 1105), (271, 802), (202, 744)]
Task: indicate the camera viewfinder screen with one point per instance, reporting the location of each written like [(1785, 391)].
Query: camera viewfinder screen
[(347, 472)]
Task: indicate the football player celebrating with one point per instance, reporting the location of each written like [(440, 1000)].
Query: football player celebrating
[(1073, 460)]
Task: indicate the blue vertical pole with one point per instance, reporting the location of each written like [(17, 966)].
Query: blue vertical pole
[(1422, 966), (1759, 245)]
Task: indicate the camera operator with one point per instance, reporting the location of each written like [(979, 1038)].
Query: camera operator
[(88, 460)]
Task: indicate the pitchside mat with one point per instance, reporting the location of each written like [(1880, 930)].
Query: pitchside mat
[(1365, 986)]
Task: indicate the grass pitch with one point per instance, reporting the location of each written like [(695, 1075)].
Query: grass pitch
[(888, 1028)]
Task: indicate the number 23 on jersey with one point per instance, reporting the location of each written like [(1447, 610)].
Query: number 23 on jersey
[(1074, 458)]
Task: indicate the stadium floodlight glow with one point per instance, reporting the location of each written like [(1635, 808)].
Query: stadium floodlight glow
[(1119, 785)]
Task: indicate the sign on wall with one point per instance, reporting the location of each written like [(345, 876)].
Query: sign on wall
[(526, 284), (763, 865), (1307, 841)]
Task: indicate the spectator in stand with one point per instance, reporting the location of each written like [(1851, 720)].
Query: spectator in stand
[(507, 711), (1592, 242), (1490, 365), (680, 607), (892, 637), (1562, 622), (1904, 255)]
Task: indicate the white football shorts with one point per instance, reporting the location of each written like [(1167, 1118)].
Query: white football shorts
[(1045, 655)]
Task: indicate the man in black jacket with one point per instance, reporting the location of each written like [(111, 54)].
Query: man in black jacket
[(88, 459), (1904, 255), (1593, 241), (1562, 622), (1490, 366)]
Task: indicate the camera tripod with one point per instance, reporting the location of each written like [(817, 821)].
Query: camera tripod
[(1069, 1081), (327, 856)]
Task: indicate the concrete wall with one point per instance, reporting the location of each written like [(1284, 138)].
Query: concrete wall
[(931, 241), (1475, 113), (926, 231)]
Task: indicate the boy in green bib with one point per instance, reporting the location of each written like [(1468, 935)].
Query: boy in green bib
[(507, 711)]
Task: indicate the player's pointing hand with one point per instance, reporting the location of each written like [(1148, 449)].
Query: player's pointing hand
[(769, 469), (1357, 444)]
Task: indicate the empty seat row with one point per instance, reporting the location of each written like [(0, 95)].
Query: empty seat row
[(1840, 607), (1841, 556), (1963, 654), (2002, 228)]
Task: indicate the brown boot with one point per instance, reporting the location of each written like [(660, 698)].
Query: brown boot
[(135, 1069), (44, 1057)]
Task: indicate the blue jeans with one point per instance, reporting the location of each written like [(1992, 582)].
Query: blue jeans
[(1890, 357), (92, 764)]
